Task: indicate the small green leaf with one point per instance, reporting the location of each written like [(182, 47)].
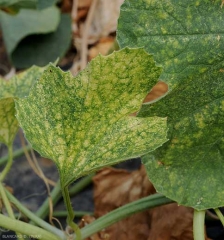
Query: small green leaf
[(44, 48), (18, 3), (27, 22), (8, 123), (83, 123), (187, 39), (17, 86), (41, 4)]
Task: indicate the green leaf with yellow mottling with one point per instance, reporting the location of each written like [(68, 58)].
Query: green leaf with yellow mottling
[(17, 86), (189, 168), (20, 84), (187, 39), (84, 123), (8, 123)]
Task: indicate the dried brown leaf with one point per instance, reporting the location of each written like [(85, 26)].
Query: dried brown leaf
[(82, 13), (124, 187), (84, 3), (157, 91), (114, 188), (103, 47), (104, 20), (87, 220), (66, 6), (171, 222)]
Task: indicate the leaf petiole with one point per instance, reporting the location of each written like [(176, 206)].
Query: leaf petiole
[(43, 211), (8, 165), (71, 215), (198, 225)]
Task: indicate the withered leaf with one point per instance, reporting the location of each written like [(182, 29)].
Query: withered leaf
[(114, 188)]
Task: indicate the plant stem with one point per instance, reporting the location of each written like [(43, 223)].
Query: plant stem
[(219, 214), (26, 229), (16, 154), (124, 212), (71, 215), (6, 202), (43, 211), (81, 184), (198, 225), (34, 218), (5, 199), (77, 213), (8, 165)]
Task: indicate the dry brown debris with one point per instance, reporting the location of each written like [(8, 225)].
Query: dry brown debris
[(103, 47), (103, 20), (93, 23), (114, 188), (159, 90)]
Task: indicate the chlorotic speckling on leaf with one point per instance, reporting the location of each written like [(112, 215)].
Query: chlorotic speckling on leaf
[(83, 123)]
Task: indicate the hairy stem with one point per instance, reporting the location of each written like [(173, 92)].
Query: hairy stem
[(71, 215)]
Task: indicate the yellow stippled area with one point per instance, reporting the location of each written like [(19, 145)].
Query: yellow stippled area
[(83, 123)]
